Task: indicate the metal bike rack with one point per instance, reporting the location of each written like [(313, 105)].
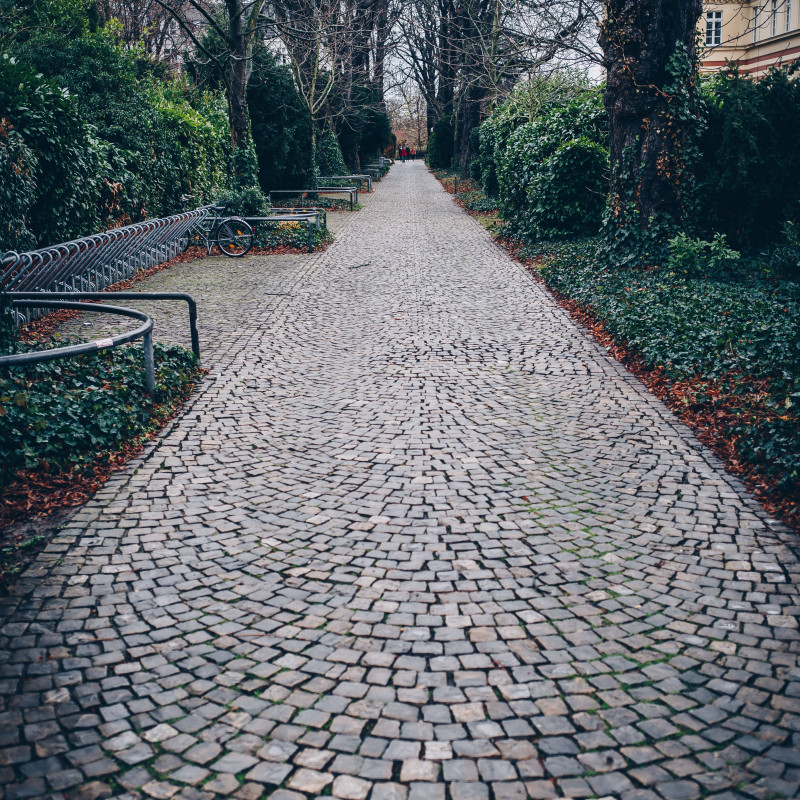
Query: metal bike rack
[(363, 178), (57, 277), (309, 217), (321, 190), (95, 262)]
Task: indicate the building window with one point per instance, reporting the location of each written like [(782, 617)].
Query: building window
[(756, 21), (788, 15), (774, 17), (713, 28)]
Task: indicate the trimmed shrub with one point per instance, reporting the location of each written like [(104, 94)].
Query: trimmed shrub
[(526, 103), (118, 143), (568, 193), (249, 202), (559, 158), (162, 145), (329, 155), (67, 162)]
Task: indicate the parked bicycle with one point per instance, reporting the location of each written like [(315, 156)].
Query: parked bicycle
[(232, 235)]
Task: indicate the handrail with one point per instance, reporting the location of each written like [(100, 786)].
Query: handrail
[(301, 193), (144, 332), (187, 298), (367, 178)]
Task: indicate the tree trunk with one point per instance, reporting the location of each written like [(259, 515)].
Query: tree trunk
[(237, 76), (469, 118), (237, 111), (639, 38), (381, 34)]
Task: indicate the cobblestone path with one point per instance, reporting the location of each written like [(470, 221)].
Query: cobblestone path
[(416, 538)]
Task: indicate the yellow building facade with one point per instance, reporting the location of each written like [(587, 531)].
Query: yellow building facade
[(755, 34)]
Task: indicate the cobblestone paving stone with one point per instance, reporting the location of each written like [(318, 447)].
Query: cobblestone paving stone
[(417, 537)]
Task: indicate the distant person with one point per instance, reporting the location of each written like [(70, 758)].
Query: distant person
[(403, 153), (413, 153)]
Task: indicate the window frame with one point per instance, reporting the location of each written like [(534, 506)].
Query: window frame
[(713, 28)]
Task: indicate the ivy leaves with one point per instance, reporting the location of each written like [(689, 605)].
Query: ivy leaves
[(65, 413)]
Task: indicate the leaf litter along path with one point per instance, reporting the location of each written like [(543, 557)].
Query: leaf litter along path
[(416, 531)]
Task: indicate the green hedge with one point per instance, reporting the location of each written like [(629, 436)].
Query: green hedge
[(542, 155), (108, 139), (330, 160), (552, 172), (281, 128), (64, 193), (749, 174), (17, 190)]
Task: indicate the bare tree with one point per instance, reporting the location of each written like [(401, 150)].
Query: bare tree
[(408, 114), (466, 55), (337, 50), (316, 38), (149, 23), (239, 27)]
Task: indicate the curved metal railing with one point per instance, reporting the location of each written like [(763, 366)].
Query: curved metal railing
[(144, 332)]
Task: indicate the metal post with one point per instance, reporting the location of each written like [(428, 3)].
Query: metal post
[(193, 327), (310, 236), (149, 364)]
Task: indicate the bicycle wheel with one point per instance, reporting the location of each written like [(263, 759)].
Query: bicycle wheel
[(234, 237)]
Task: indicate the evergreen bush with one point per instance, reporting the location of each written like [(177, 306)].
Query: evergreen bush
[(749, 175), (65, 192), (329, 155), (106, 140), (17, 189), (552, 172), (281, 128)]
